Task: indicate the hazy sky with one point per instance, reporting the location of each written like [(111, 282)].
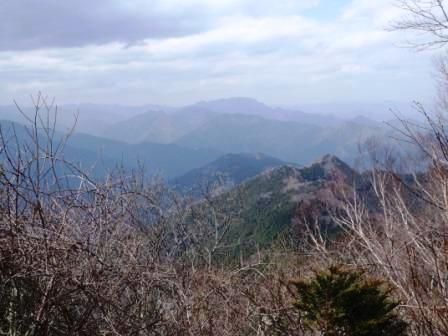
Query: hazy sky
[(180, 51)]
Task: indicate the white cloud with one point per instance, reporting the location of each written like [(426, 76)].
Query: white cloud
[(220, 7), (236, 30), (269, 50)]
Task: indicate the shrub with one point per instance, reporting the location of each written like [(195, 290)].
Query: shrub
[(345, 302)]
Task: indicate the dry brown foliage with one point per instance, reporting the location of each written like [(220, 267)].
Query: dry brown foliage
[(120, 256)]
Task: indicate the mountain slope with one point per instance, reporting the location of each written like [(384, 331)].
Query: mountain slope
[(223, 173), (158, 126), (104, 154), (167, 127), (89, 118), (289, 141), (243, 133), (238, 125), (248, 106), (268, 203), (170, 160)]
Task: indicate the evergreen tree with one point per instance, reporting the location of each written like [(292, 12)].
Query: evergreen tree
[(341, 302)]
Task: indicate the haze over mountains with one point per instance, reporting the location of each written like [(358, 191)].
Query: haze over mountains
[(172, 141), (168, 125)]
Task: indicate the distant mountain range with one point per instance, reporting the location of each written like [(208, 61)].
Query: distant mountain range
[(288, 141), (215, 148), (169, 126), (175, 140), (248, 106), (89, 118), (158, 126), (378, 111), (246, 125), (101, 155)]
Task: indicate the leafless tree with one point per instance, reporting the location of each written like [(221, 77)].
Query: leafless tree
[(121, 255), (429, 18), (402, 236)]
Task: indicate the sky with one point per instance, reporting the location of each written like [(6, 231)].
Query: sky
[(176, 52)]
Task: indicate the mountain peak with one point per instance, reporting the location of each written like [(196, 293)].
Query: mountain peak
[(332, 165), (328, 159)]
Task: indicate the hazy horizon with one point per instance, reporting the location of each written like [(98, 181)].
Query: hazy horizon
[(378, 111), (27, 101)]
